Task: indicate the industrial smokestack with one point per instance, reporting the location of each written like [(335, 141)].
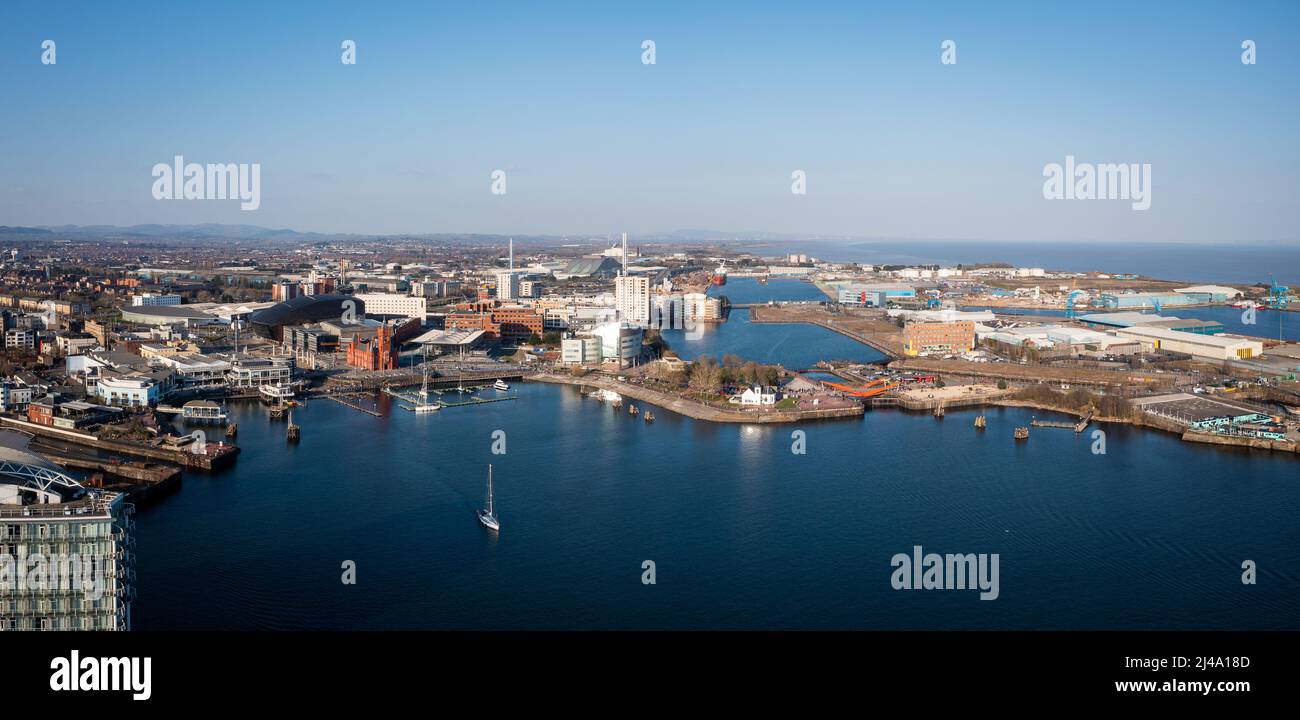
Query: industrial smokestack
[(624, 253), (512, 254)]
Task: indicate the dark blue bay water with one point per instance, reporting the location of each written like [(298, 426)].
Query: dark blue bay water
[(744, 533), (750, 290), (795, 346)]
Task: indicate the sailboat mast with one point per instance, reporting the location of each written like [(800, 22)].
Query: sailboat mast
[(489, 507)]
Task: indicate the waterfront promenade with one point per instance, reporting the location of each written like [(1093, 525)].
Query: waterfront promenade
[(699, 410)]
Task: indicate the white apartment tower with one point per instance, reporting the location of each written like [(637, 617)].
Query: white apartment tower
[(507, 286), (632, 294)]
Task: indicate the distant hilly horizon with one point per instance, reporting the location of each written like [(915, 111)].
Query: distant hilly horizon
[(766, 243), (220, 231), (257, 232)]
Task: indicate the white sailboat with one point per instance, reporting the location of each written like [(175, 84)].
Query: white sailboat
[(489, 516), (424, 406)]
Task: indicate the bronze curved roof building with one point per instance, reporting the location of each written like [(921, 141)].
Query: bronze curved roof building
[(270, 323)]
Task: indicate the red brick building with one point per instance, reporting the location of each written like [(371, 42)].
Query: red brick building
[(377, 353), (510, 323), (380, 352), (41, 413)]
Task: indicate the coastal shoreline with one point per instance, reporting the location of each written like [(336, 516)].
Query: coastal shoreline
[(699, 411)]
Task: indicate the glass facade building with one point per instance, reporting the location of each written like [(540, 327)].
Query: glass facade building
[(66, 551)]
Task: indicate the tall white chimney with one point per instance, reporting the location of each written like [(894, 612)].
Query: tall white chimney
[(512, 254), (624, 253)]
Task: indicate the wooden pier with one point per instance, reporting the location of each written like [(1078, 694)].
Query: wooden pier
[(476, 401), (1078, 427), (343, 401)]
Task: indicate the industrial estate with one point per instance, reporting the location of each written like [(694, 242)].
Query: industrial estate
[(123, 357)]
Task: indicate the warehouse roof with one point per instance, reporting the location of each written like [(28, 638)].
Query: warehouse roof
[(1185, 337), (449, 337), (1212, 289), (1123, 319)]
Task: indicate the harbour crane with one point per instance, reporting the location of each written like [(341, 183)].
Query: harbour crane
[(1279, 296), (1069, 302)]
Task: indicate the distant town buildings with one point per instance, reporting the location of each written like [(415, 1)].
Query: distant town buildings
[(153, 299), (435, 288), (875, 295)]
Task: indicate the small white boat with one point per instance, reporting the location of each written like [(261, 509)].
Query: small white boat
[(501, 385), (425, 408), (489, 516)]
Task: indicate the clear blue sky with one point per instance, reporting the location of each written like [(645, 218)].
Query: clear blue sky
[(894, 143)]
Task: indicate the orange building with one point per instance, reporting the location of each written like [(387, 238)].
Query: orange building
[(41, 413), (939, 337)]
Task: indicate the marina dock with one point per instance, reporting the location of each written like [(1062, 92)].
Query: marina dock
[(215, 455), (1079, 426), (342, 400), (412, 399)]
